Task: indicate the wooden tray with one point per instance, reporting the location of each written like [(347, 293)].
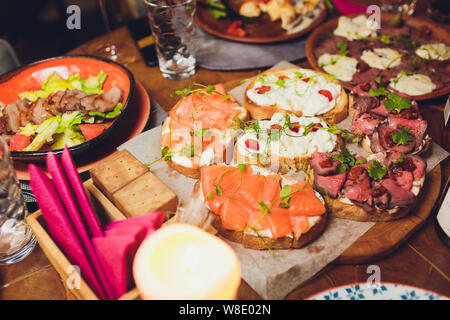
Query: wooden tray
[(384, 237), (106, 211), (262, 30), (330, 25)]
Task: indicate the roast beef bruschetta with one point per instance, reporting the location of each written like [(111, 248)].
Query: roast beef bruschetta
[(261, 209), (387, 121), (381, 187)]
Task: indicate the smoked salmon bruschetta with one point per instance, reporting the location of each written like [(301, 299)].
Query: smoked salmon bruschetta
[(388, 121), (286, 142), (297, 91), (198, 132), (261, 209), (381, 187)]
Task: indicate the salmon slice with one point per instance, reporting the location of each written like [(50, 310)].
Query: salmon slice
[(251, 187), (258, 219), (271, 188), (305, 202), (228, 184), (300, 225), (234, 215), (280, 221)]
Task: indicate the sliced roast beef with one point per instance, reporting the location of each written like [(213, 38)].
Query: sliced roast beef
[(417, 127), (363, 89), (358, 191), (380, 195), (322, 164), (38, 112), (328, 46), (394, 31), (366, 76), (108, 101), (388, 143), (354, 49), (420, 166), (375, 144), (381, 110), (364, 123), (330, 185), (364, 103), (404, 179), (399, 196), (357, 174)]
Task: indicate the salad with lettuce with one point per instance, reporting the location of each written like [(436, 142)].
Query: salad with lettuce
[(68, 128)]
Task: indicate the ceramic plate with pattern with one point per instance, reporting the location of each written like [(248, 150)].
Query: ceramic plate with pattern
[(381, 291)]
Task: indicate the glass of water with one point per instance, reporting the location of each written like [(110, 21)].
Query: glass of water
[(16, 238), (173, 29)]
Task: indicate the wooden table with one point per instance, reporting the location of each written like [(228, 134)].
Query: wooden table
[(422, 261)]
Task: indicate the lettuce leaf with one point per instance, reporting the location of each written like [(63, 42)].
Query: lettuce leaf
[(54, 83), (45, 132), (109, 115), (69, 138)]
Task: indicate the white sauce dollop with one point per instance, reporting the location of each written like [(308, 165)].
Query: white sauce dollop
[(434, 51), (413, 85), (356, 28), (381, 58), (342, 67)]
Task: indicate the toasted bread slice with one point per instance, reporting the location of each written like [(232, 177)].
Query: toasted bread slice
[(257, 241), (340, 209), (260, 112)]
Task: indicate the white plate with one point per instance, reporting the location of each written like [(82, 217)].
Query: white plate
[(380, 291)]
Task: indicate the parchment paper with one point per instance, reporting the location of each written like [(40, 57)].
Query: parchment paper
[(272, 276)]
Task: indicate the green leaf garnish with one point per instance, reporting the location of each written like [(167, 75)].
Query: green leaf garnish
[(402, 136), (378, 92), (199, 133), (342, 46), (189, 150), (376, 170), (263, 207), (242, 167), (397, 103)]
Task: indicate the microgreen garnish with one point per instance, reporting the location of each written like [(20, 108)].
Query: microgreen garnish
[(165, 155), (376, 170), (242, 167), (342, 46), (199, 133), (385, 38), (189, 150), (345, 158), (201, 90), (378, 92)]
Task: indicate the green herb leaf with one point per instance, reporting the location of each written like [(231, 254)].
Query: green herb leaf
[(402, 136), (199, 133), (376, 171), (242, 167), (285, 191), (217, 14), (218, 190), (378, 92), (395, 102), (189, 150), (341, 168), (385, 38)]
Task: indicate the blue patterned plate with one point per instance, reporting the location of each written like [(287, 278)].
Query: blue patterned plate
[(380, 291)]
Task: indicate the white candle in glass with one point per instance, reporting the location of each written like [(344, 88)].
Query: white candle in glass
[(181, 261)]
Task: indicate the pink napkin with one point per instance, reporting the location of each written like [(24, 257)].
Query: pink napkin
[(348, 7)]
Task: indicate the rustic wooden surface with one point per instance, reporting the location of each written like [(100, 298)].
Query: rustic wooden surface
[(421, 261)]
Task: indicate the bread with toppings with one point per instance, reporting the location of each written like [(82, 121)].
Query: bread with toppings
[(297, 91), (260, 209)]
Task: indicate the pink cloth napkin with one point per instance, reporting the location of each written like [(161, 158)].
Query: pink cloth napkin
[(348, 7)]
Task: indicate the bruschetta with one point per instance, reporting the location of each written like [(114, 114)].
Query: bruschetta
[(285, 142), (296, 91), (387, 121), (198, 131), (381, 187), (260, 209)]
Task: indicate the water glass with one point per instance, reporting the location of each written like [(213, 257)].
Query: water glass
[(173, 29), (16, 238), (406, 7)]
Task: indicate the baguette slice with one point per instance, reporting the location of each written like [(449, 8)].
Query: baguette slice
[(261, 112), (278, 154), (258, 241), (197, 104)]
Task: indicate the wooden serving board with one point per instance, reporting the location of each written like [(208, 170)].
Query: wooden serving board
[(385, 237)]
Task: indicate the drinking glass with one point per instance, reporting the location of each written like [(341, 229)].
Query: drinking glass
[(16, 238), (120, 52), (173, 28), (406, 7)]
